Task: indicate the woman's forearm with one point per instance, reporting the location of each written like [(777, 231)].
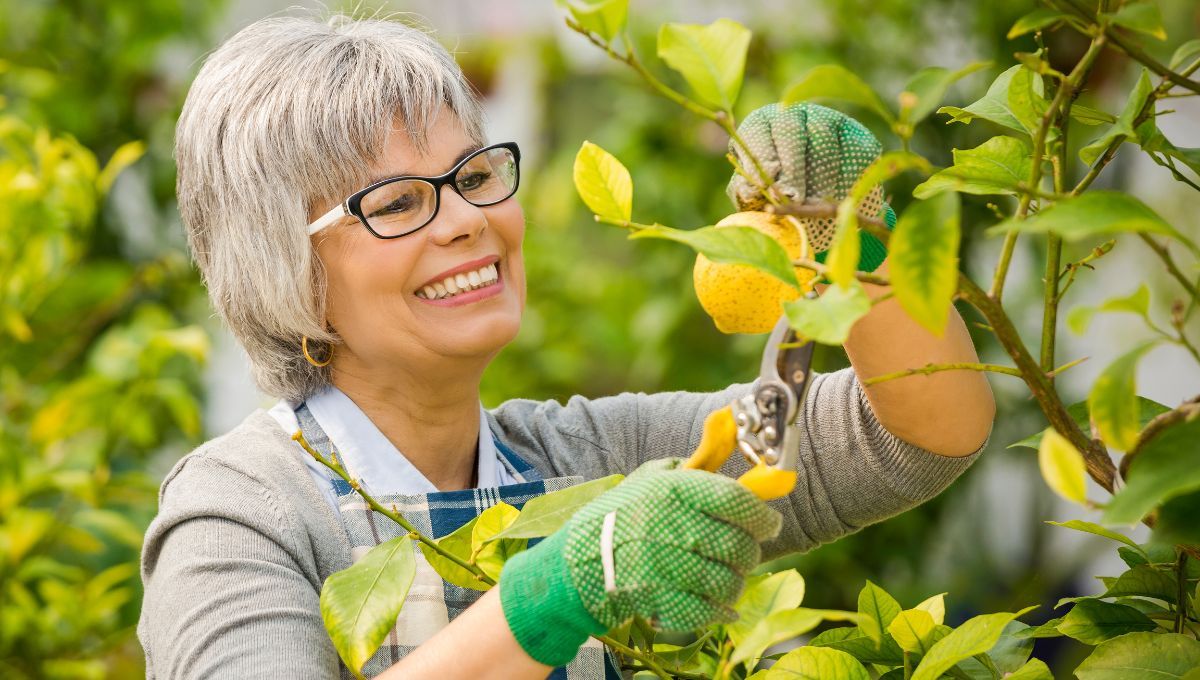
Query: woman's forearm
[(949, 412), (476, 644)]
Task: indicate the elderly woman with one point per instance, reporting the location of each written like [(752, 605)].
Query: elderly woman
[(360, 235)]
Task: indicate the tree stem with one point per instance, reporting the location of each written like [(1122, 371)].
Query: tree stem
[(390, 514), (927, 369)]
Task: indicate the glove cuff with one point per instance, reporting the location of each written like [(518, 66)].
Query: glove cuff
[(542, 605)]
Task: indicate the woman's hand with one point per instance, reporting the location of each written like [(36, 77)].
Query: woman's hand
[(669, 545)]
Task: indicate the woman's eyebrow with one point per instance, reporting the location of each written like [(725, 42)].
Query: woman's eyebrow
[(458, 159)]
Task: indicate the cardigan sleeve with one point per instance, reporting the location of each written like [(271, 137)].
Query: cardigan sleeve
[(852, 471), (229, 590)]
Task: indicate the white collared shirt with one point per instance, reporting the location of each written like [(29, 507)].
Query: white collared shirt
[(373, 458)]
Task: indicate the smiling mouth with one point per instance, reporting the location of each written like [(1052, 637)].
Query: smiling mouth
[(458, 284)]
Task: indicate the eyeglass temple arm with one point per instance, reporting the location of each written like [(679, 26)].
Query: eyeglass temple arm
[(339, 211)]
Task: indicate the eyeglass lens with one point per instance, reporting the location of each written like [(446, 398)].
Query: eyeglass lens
[(396, 208)]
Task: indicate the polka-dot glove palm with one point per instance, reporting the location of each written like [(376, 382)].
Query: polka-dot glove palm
[(669, 545), (814, 154)]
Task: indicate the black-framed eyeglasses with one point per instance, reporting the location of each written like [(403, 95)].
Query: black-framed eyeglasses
[(398, 206)]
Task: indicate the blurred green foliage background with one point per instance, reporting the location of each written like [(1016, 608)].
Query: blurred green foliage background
[(104, 329)]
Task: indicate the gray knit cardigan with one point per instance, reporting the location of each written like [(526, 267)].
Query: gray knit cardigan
[(233, 563)]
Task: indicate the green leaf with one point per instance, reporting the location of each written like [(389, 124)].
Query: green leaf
[(712, 58), (994, 106), (1137, 302), (1025, 101), (1177, 521), (1046, 630), (1148, 409), (829, 318), (1138, 656), (830, 81), (1089, 116), (1035, 21), (975, 636), (764, 596), (605, 18), (856, 643), (1165, 467), (1034, 669), (543, 515), (731, 244), (879, 609), (1113, 403), (1184, 54), (603, 183), (360, 604), (1094, 621), (773, 629), (884, 168), (1062, 466), (846, 247), (1145, 581), (1008, 654), (923, 253), (1143, 17), (1090, 214), (997, 166), (913, 630), (1122, 129), (929, 86), (490, 556), (1091, 528), (817, 663), (458, 544)]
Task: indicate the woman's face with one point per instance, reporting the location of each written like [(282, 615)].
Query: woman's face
[(376, 295)]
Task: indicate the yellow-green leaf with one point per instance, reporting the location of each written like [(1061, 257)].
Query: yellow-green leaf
[(1062, 466), (817, 663), (936, 606), (830, 81), (545, 514), (1035, 21), (360, 604), (829, 318), (976, 636), (923, 253), (125, 155), (844, 250), (913, 630), (878, 609), (764, 596), (1143, 17), (712, 58), (731, 244), (605, 18), (603, 183), (1113, 402)]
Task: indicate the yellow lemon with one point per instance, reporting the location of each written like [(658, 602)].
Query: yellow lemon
[(742, 299)]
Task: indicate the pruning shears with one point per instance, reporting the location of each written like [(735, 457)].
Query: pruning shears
[(760, 424)]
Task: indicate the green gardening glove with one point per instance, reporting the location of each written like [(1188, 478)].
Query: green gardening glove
[(814, 154), (672, 546)]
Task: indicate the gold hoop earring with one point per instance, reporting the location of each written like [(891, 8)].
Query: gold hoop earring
[(308, 357)]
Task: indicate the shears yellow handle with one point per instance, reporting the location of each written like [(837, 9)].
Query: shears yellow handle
[(719, 440)]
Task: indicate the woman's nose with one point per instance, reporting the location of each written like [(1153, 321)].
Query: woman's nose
[(457, 219)]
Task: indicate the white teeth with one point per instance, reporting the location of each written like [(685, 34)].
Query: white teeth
[(460, 283)]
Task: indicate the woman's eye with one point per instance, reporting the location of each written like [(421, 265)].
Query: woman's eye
[(474, 180), (398, 205)]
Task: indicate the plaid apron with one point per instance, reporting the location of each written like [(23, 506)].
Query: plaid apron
[(432, 602)]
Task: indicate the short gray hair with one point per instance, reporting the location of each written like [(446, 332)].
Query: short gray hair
[(285, 116)]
